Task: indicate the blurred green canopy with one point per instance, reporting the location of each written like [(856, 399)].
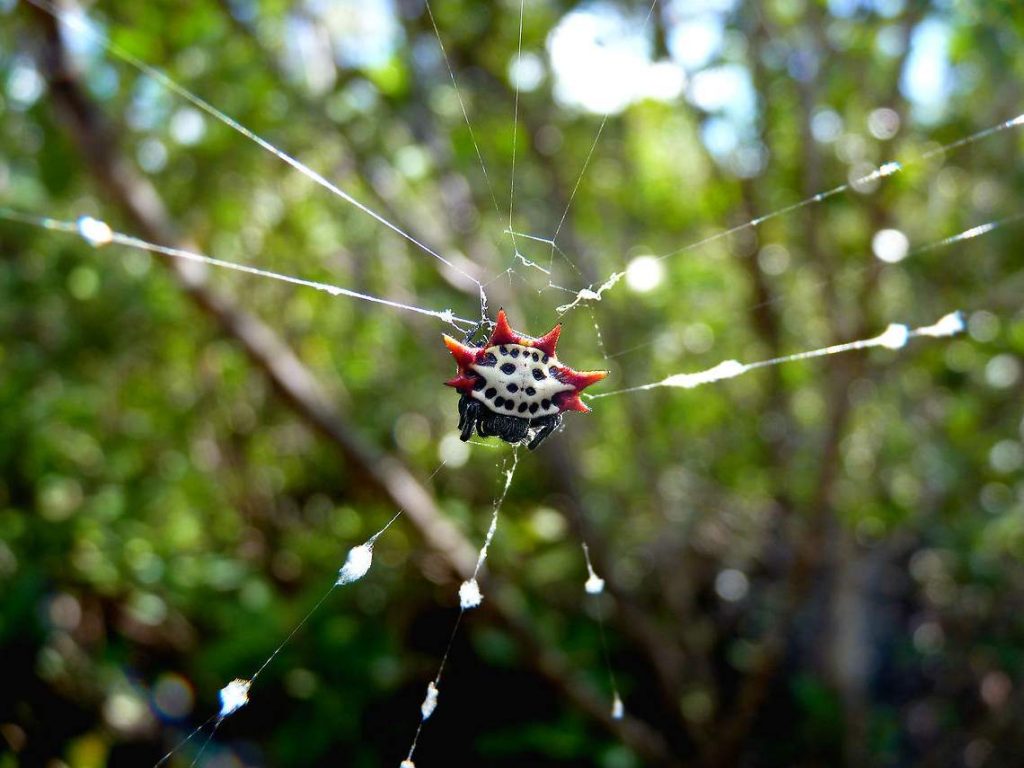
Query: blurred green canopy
[(817, 563)]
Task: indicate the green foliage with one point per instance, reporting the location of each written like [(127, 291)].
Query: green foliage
[(163, 512)]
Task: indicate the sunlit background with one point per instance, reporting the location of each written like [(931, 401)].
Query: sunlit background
[(814, 564)]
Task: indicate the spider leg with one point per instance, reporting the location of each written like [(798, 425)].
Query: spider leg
[(513, 430), (468, 338), (548, 424), (468, 413)]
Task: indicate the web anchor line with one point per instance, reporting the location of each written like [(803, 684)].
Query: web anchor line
[(87, 29), (586, 294), (235, 694), (518, 256), (515, 132), (470, 597), (462, 106), (594, 586), (98, 233), (586, 165), (590, 294), (895, 336), (967, 234)]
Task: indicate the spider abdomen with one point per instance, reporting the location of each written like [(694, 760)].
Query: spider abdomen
[(520, 382)]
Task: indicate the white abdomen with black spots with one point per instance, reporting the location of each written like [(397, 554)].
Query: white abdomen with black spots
[(520, 379)]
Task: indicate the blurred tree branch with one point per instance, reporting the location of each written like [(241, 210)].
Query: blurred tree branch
[(816, 540)]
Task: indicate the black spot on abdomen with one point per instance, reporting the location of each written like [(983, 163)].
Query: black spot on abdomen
[(538, 374), (499, 401), (508, 368), (490, 393), (512, 388), (533, 407), (488, 360), (530, 391), (545, 404), (522, 408)]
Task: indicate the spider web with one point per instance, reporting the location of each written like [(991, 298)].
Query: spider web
[(359, 558)]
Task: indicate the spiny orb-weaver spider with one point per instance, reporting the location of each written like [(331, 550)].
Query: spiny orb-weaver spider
[(513, 384)]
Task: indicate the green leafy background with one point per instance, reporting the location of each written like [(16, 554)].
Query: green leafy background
[(166, 519)]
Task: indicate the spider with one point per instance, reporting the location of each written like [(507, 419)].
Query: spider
[(513, 384)]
